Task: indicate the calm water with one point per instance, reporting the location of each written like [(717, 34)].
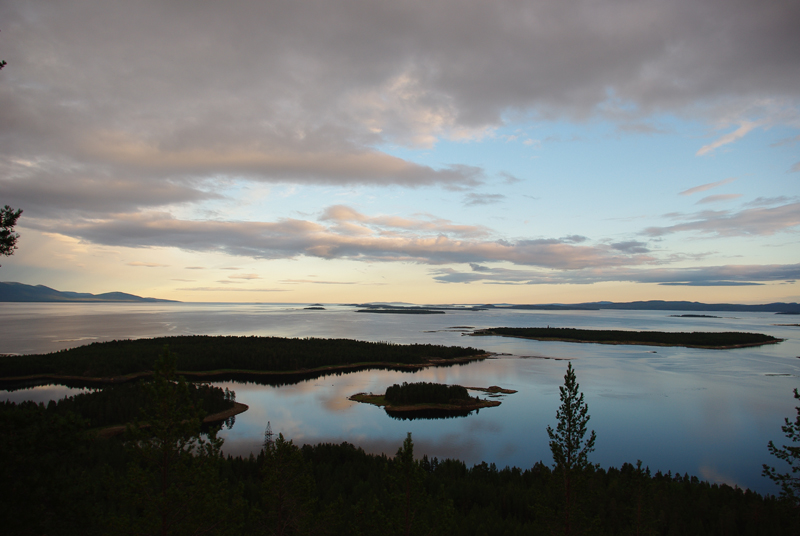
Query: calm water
[(705, 412)]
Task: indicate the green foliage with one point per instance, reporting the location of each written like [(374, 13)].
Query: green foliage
[(570, 450), (789, 482), (425, 393), (122, 403), (288, 494), (199, 353), (8, 220), (693, 339), (567, 444), (172, 484)]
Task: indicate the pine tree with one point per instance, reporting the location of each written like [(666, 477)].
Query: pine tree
[(789, 482), (570, 450), (288, 489), (8, 219)]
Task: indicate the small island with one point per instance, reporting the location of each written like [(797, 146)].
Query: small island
[(711, 340), (429, 400), (694, 316), (403, 311)]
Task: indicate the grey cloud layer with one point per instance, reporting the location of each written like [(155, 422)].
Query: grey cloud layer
[(382, 238), (750, 221), (730, 275), (302, 90)]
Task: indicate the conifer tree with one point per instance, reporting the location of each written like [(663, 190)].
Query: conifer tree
[(789, 482), (570, 450), (288, 489)]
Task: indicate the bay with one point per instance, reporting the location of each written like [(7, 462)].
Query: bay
[(708, 413)]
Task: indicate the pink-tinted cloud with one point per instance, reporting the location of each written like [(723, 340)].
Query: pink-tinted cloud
[(428, 241), (704, 187)]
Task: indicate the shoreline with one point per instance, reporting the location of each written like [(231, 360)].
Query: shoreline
[(211, 374), (111, 431)]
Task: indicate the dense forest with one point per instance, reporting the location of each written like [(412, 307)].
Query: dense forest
[(659, 338), (57, 481), (201, 353), (121, 404), (425, 392), (171, 477)]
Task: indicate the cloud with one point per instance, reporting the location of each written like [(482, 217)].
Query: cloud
[(244, 276), (427, 241), (131, 109), (795, 168), (298, 281), (473, 199), (631, 246), (574, 239), (766, 201), (709, 276), (343, 215), (731, 137), (718, 198), (231, 289), (704, 187), (147, 264), (747, 222), (786, 141)]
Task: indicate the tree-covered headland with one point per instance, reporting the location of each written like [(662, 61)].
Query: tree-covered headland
[(202, 355)]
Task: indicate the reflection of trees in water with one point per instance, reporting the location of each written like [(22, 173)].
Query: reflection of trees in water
[(265, 379), (428, 414)]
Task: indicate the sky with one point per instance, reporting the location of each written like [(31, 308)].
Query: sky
[(437, 151)]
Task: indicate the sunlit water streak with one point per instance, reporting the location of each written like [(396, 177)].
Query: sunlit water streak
[(705, 412)]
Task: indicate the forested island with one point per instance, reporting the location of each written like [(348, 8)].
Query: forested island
[(202, 356), (425, 398), (710, 340)]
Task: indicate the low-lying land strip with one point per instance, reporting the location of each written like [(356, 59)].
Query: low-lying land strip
[(711, 340), (205, 357)]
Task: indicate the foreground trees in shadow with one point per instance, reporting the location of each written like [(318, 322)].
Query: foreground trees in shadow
[(172, 483), (168, 476), (789, 482)]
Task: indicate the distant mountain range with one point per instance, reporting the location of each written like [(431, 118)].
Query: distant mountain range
[(19, 292)]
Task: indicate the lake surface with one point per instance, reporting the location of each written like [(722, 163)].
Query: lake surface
[(708, 413)]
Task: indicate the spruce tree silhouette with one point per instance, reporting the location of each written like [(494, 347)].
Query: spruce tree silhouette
[(570, 450)]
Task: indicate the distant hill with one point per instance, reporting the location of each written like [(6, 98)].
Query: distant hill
[(19, 292), (660, 305)]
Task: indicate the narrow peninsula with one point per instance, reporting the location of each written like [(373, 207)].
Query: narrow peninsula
[(203, 357)]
